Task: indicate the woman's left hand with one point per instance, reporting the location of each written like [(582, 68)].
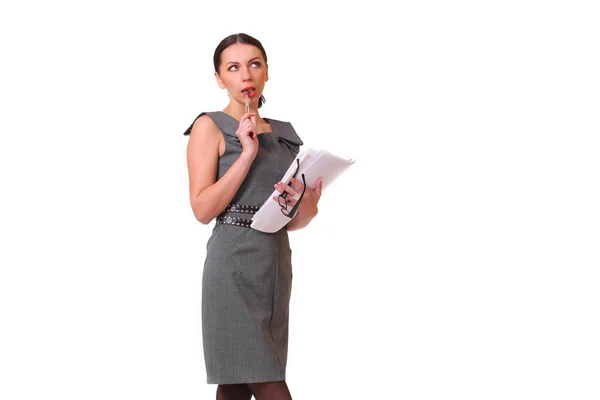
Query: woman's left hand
[(308, 206)]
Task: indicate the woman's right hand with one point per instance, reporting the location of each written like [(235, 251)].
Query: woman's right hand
[(247, 134)]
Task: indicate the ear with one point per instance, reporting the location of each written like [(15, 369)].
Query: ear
[(219, 81), (267, 72)]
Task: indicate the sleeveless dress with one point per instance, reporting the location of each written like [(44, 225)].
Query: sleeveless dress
[(247, 276)]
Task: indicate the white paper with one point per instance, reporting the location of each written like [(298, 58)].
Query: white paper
[(313, 164)]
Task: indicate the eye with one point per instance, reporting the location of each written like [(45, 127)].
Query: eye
[(257, 63), (231, 68)]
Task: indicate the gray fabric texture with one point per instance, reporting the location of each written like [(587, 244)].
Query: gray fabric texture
[(247, 276)]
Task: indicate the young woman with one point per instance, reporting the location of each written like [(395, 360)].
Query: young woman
[(235, 159)]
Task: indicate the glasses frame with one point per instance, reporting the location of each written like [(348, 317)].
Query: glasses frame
[(282, 198)]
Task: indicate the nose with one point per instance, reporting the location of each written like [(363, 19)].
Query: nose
[(246, 76)]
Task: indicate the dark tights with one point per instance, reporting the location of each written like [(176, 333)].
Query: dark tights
[(261, 391)]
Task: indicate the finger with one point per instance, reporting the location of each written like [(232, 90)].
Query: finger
[(283, 187), (319, 188), (298, 185), (245, 125), (247, 128), (280, 187), (246, 122), (247, 116), (290, 202), (250, 124)]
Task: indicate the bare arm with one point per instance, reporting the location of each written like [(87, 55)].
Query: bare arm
[(209, 196)]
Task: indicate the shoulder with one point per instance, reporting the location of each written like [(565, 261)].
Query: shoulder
[(204, 134), (203, 122)]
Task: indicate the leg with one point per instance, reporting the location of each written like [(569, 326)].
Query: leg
[(233, 392), (270, 391)]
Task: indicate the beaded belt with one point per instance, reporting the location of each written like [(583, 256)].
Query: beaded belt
[(237, 221)]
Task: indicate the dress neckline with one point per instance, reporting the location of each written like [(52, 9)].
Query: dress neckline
[(266, 119)]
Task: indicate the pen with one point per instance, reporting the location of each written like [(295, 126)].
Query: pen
[(246, 92), (247, 102)]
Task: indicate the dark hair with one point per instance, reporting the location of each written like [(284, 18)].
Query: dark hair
[(238, 38)]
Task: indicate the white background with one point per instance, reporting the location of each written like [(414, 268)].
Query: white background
[(457, 259)]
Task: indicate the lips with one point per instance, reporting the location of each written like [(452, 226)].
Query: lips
[(251, 91)]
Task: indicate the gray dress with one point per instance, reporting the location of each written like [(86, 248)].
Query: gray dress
[(247, 275)]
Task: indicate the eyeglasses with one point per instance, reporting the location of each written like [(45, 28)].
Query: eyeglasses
[(281, 199)]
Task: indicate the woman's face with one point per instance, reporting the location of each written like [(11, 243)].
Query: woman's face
[(242, 67)]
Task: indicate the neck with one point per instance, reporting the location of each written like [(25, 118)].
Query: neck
[(237, 110)]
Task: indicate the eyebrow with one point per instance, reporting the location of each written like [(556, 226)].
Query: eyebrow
[(235, 62)]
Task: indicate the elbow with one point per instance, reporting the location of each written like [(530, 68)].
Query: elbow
[(202, 215), (203, 218)]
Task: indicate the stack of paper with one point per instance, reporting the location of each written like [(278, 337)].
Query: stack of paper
[(313, 164)]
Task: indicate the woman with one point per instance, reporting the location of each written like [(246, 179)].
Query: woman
[(235, 158)]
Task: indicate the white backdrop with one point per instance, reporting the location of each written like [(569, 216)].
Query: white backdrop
[(457, 259)]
